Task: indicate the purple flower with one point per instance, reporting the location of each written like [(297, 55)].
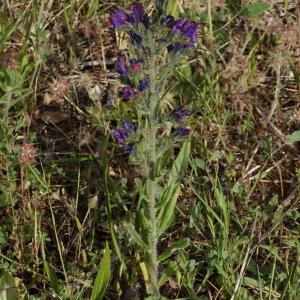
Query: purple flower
[(143, 84), (180, 112), (138, 15), (187, 28), (121, 134), (127, 92), (182, 131), (129, 148), (121, 66), (173, 48), (119, 18), (135, 38)]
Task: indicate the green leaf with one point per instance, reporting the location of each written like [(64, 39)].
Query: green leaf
[(168, 272), (172, 8), (8, 288), (272, 250), (47, 267), (166, 214), (51, 276), (103, 276), (116, 245), (179, 245), (3, 199), (137, 238), (294, 137), (168, 200), (248, 281), (180, 163), (254, 9), (165, 197), (200, 164), (4, 239)]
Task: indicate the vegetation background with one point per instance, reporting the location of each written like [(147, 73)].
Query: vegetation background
[(66, 190)]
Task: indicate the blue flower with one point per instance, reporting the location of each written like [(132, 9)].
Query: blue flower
[(180, 112), (175, 47), (143, 84), (121, 67), (187, 28), (182, 131), (119, 18), (127, 92), (131, 126), (129, 148), (121, 134), (167, 19), (135, 38), (136, 60)]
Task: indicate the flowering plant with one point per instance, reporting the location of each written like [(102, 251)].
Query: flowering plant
[(157, 46)]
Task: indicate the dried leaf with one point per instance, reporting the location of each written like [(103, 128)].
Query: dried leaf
[(53, 116)]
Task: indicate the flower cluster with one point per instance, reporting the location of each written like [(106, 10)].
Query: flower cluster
[(122, 134), (182, 131), (179, 113), (27, 154), (186, 29), (128, 70), (167, 35), (120, 19), (124, 69)]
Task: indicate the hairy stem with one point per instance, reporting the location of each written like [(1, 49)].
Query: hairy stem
[(153, 266), (152, 213)]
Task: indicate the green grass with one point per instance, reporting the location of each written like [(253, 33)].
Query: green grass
[(236, 224)]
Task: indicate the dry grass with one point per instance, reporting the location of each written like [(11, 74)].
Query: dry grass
[(64, 184)]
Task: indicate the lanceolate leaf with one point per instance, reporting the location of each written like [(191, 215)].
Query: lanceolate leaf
[(137, 238), (181, 244), (180, 163), (103, 276), (294, 137), (255, 9), (51, 276), (47, 267), (8, 288), (166, 214)]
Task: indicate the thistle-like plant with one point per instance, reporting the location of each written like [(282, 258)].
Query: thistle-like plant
[(157, 46)]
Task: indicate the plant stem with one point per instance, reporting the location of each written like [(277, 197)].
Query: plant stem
[(153, 266), (152, 213)]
